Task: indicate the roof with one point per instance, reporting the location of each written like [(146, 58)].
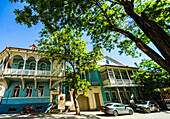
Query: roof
[(114, 60), (119, 66), (33, 45)]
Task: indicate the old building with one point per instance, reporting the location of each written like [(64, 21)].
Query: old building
[(28, 78)]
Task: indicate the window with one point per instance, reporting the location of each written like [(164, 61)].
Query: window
[(124, 74), (107, 96), (16, 91), (42, 67), (29, 91), (107, 61), (128, 93), (39, 108), (117, 74), (40, 91), (21, 65), (68, 96), (32, 66), (12, 109), (83, 76), (104, 76), (114, 95), (111, 74)]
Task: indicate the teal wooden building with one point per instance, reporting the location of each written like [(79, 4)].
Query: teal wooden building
[(27, 78)]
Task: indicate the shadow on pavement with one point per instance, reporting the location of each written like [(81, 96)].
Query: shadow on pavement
[(46, 116)]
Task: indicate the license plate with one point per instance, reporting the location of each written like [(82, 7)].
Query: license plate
[(137, 108)]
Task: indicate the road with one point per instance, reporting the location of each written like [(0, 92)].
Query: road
[(89, 115)]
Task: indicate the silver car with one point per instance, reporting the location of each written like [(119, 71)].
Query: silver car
[(147, 106), (116, 109)]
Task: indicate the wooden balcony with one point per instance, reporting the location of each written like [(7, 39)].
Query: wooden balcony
[(32, 72)]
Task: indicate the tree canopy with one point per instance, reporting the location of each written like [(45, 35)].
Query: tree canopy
[(154, 79), (66, 45), (126, 24)]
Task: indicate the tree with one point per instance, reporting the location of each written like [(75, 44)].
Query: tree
[(66, 45), (127, 24), (154, 78)]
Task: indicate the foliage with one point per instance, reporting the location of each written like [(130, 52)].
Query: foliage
[(154, 78), (86, 15), (110, 23), (65, 45)]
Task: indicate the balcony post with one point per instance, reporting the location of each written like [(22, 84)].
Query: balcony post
[(121, 76), (6, 66), (118, 94), (36, 66), (51, 66), (25, 59)]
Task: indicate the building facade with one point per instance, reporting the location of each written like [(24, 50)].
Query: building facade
[(28, 77), (112, 82)]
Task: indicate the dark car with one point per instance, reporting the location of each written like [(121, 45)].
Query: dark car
[(116, 108), (147, 106)]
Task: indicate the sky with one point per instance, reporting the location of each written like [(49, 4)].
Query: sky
[(13, 34)]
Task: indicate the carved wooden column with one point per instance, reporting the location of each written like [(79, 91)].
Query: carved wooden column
[(127, 97), (118, 94)]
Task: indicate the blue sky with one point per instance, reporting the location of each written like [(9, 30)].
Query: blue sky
[(13, 34)]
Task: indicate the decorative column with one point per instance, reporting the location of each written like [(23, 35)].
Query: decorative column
[(118, 94), (36, 66), (25, 59)]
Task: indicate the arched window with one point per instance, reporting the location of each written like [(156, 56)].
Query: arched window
[(21, 65), (42, 67), (32, 66), (16, 91)]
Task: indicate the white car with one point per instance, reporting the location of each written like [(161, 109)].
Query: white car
[(116, 109), (147, 106)]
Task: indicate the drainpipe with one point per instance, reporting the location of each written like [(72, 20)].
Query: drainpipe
[(7, 59)]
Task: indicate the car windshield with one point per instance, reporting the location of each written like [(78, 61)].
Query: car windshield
[(108, 105), (142, 102)]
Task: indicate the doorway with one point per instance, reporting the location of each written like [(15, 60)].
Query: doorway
[(97, 100)]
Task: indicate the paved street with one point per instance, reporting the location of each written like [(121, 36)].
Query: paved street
[(90, 115)]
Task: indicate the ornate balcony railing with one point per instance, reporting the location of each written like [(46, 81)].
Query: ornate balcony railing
[(31, 72)]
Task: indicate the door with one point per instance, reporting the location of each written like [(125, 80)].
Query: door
[(96, 95), (55, 101), (83, 103)]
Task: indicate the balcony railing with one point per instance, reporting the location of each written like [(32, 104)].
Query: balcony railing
[(31, 72), (118, 81)]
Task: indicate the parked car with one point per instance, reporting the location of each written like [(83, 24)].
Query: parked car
[(116, 109), (147, 106)]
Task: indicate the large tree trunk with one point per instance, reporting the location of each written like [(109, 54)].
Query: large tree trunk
[(77, 109), (155, 33)]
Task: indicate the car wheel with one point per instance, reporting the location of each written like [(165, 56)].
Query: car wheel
[(106, 113), (130, 112), (115, 113), (148, 110)]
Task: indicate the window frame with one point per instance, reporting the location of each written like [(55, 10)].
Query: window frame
[(115, 95), (109, 95), (43, 90), (16, 91), (27, 95)]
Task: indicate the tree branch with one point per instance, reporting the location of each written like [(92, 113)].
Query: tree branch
[(142, 46), (100, 6)]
